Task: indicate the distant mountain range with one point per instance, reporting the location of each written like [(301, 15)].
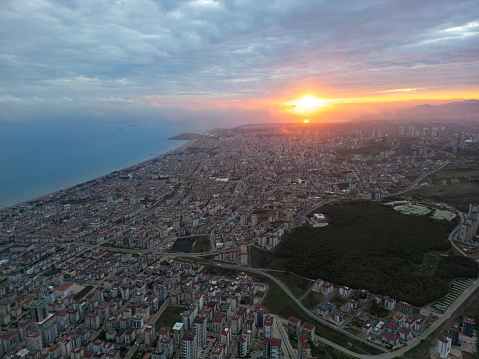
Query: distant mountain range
[(460, 110), (468, 109)]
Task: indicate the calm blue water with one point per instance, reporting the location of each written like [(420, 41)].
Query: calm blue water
[(36, 159)]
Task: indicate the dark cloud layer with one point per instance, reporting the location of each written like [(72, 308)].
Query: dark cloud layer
[(176, 52)]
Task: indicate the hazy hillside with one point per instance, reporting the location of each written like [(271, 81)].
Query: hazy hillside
[(468, 109), (461, 110)]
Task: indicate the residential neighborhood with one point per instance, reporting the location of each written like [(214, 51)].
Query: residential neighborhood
[(89, 271)]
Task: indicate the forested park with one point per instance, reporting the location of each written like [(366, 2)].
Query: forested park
[(371, 246)]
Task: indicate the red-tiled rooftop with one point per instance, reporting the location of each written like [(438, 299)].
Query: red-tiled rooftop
[(293, 320)]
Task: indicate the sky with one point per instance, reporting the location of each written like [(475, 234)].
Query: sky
[(232, 61)]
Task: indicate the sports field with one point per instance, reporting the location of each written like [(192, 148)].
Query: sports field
[(413, 209), (444, 215), (459, 195)]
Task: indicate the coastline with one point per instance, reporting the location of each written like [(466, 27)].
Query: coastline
[(181, 147)]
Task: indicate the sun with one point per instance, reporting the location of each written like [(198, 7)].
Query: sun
[(306, 120), (306, 105), (308, 102)]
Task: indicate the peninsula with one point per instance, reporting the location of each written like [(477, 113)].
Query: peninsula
[(186, 136)]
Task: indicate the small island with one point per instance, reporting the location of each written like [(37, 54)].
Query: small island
[(186, 136)]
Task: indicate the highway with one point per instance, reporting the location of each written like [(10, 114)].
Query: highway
[(418, 180)]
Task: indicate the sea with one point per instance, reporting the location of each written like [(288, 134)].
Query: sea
[(40, 158)]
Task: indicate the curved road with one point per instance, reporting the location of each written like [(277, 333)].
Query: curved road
[(459, 301), (464, 295), (455, 230), (298, 302), (446, 316), (419, 179)]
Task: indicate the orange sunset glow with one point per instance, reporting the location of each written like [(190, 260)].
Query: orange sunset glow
[(307, 105), (182, 149), (344, 106), (265, 66)]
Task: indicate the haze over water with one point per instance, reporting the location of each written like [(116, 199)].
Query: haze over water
[(39, 158)]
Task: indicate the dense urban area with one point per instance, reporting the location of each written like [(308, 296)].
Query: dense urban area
[(192, 255)]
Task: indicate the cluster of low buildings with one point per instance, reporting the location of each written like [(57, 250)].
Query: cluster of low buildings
[(402, 328), (328, 310)]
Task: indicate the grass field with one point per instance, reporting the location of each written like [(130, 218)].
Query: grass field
[(202, 245), (297, 285), (414, 351), (413, 209), (458, 195), (429, 263), (280, 303), (123, 352), (51, 272), (377, 311), (373, 148), (445, 215), (263, 214), (139, 354), (313, 299), (471, 251), (369, 149), (473, 311), (169, 317), (326, 352)]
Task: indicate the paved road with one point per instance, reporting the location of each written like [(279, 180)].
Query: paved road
[(285, 344), (419, 179), (306, 310), (454, 232), (351, 317), (307, 292), (446, 316), (387, 355)]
